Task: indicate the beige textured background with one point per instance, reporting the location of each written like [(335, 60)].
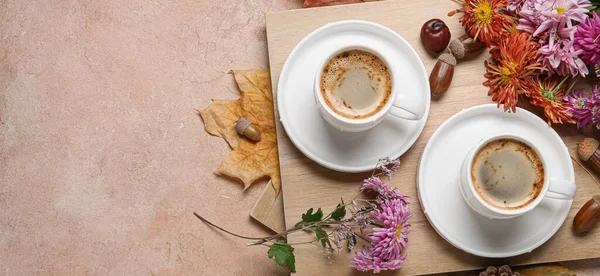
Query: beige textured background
[(102, 157)]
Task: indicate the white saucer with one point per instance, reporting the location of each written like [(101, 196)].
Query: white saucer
[(312, 135), (444, 206)]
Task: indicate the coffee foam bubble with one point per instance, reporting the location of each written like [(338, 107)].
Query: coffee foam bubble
[(507, 174), (356, 84)]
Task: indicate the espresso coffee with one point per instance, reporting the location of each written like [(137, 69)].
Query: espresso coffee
[(507, 174), (356, 84)]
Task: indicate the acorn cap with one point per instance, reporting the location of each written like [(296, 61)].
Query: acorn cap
[(586, 148), (242, 124), (501, 271), (448, 58), (457, 48)]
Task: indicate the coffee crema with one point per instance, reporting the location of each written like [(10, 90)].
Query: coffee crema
[(356, 84), (507, 174)]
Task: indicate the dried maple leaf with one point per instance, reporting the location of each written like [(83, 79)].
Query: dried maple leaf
[(248, 161), (546, 270), (322, 3), (220, 117)]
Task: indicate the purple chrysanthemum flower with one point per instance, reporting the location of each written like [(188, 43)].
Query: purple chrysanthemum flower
[(388, 166), (365, 260), (389, 241), (372, 183), (382, 188), (587, 40), (531, 15), (544, 19), (582, 107), (562, 58), (515, 5), (596, 119), (391, 236), (593, 105)]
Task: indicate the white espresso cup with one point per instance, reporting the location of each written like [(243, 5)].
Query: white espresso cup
[(557, 189), (398, 104)]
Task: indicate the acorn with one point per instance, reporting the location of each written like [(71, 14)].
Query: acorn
[(588, 152), (435, 35), (587, 216), (244, 127), (442, 74), (505, 269), (464, 46), (501, 271)]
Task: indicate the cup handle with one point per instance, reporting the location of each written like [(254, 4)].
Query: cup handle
[(561, 189), (406, 108)]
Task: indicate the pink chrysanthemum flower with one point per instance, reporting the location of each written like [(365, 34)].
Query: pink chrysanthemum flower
[(364, 260), (390, 238), (383, 189), (515, 5), (545, 19), (562, 58), (389, 241), (587, 39), (372, 183), (531, 15)]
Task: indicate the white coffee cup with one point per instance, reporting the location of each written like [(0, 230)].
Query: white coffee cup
[(558, 189), (399, 104)]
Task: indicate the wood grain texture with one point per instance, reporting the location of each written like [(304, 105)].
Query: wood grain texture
[(268, 209), (306, 184)]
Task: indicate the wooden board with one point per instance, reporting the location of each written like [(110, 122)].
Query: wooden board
[(306, 184), (268, 209)]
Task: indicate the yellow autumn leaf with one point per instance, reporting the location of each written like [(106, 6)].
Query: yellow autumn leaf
[(546, 270), (248, 161), (220, 117)]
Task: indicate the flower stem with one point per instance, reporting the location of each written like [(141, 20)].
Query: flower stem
[(559, 85), (586, 170), (299, 227), (259, 241), (363, 238), (280, 234), (377, 224), (571, 86), (220, 228), (307, 242)]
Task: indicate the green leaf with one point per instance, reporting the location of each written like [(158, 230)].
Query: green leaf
[(310, 217), (321, 236), (339, 212), (283, 254)]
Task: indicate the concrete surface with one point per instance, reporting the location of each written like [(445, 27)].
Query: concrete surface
[(102, 157)]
